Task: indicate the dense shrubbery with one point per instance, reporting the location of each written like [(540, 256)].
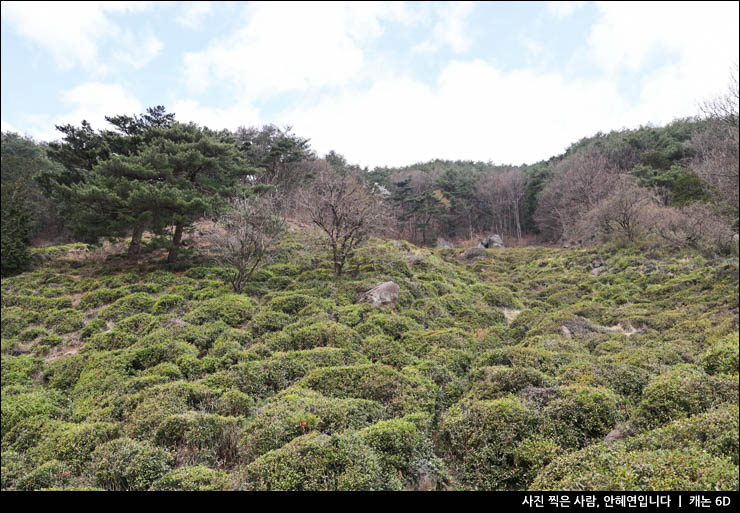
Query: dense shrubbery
[(158, 380)]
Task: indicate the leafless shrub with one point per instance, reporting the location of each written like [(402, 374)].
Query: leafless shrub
[(243, 234), (625, 213), (580, 182), (697, 226), (345, 210)]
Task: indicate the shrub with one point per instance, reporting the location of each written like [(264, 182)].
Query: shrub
[(401, 393), (74, 443), (193, 478), (680, 392), (319, 462), (581, 414), (534, 454), (206, 438), (127, 306), (125, 464), (478, 439), (296, 412), (48, 474), (232, 309), (602, 467), (721, 357), (267, 321), (404, 450), (498, 381), (167, 303), (99, 297), (318, 334), (714, 431)]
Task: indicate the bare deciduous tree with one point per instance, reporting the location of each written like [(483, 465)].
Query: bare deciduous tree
[(624, 213), (345, 210), (581, 181), (244, 233)]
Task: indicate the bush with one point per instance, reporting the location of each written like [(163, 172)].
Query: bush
[(478, 440), (318, 334), (205, 437), (404, 450), (678, 393), (721, 357), (48, 474), (296, 412), (604, 467), (400, 393), (125, 464), (319, 462), (127, 306), (232, 309), (99, 297), (167, 303), (498, 381), (714, 431), (193, 478), (267, 321), (580, 415)]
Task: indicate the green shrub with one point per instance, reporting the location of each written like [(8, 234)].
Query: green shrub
[(168, 303), (16, 407), (48, 474), (290, 303), (401, 393), (319, 462), (715, 431), (721, 357), (317, 334), (125, 464), (100, 297), (232, 309), (602, 467), (267, 321), (534, 454), (208, 438), (19, 370), (74, 443), (127, 306), (580, 415), (678, 393), (296, 412), (498, 381), (478, 440), (193, 478), (404, 450)]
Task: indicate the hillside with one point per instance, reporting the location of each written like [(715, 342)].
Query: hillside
[(493, 370)]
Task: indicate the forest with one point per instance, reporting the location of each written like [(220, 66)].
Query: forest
[(194, 309)]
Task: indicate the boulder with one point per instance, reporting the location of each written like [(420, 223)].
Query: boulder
[(381, 294), (473, 253), (491, 242), (444, 244)]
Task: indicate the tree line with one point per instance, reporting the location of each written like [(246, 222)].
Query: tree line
[(149, 173)]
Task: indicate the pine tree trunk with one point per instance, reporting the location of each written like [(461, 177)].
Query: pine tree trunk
[(134, 248), (176, 240)]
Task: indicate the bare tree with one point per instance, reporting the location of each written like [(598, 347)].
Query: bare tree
[(717, 159), (580, 182), (346, 211), (244, 233), (625, 212)]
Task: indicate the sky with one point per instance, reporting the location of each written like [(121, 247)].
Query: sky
[(384, 84)]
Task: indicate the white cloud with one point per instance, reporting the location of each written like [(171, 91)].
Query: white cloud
[(70, 31), (474, 111), (137, 51), (91, 101), (7, 127), (563, 9), (231, 117), (193, 14), (450, 29), (291, 46)]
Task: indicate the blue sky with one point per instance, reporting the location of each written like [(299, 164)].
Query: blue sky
[(381, 83)]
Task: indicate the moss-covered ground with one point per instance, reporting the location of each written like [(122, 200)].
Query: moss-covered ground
[(501, 371)]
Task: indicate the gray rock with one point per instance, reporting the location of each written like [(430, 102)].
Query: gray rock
[(614, 436), (598, 270), (444, 244), (473, 253), (491, 242), (381, 294)]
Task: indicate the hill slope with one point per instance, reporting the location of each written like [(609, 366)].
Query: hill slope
[(502, 369)]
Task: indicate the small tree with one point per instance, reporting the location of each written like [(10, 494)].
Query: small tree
[(345, 210), (17, 225), (244, 233)]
